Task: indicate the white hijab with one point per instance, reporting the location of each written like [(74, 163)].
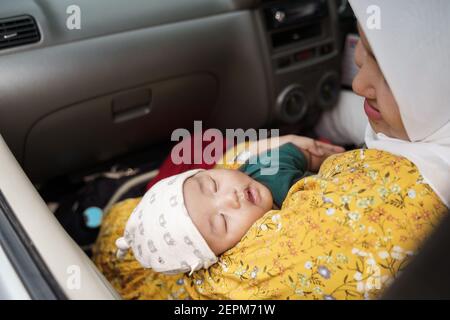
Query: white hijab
[(412, 47)]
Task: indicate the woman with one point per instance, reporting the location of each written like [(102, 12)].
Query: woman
[(347, 232)]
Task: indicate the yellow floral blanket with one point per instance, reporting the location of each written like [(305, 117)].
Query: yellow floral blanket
[(344, 233)]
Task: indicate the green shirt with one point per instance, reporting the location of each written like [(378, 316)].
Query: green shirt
[(291, 164)]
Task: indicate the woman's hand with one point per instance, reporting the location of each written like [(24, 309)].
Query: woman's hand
[(315, 151), (317, 154)]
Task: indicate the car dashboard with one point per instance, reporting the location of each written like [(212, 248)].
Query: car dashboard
[(118, 79)]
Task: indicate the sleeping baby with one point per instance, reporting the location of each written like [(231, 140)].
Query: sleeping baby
[(184, 222)]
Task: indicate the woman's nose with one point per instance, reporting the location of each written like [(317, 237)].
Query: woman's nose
[(363, 85), (363, 81)]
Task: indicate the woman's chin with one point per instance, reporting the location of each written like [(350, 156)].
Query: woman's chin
[(377, 127), (374, 126)]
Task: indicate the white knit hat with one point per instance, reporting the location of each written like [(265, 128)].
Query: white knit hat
[(161, 233)]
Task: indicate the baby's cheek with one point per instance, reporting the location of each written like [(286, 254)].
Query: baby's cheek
[(240, 226), (233, 237), (252, 215), (267, 201), (243, 221)]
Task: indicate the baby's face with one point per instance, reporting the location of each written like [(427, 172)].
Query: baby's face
[(223, 204), (384, 114)]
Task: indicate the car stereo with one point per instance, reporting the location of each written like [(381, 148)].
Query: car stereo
[(284, 14), (302, 37)]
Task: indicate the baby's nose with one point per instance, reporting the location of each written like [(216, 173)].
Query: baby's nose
[(230, 200)]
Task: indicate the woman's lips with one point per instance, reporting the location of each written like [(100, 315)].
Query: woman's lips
[(371, 112)]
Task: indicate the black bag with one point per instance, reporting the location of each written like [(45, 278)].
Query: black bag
[(80, 212)]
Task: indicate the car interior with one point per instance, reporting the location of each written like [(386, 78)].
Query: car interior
[(85, 110)]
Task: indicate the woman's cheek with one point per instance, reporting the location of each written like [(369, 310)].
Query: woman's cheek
[(389, 111), (359, 54)]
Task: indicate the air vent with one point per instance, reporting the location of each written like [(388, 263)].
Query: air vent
[(18, 31)]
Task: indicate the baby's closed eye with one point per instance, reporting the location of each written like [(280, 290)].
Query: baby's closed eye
[(214, 186)]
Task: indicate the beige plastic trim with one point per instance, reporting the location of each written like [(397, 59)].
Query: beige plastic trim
[(65, 260), (11, 288)]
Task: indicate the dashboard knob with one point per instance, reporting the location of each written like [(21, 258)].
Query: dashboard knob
[(279, 16), (328, 90), (292, 104)]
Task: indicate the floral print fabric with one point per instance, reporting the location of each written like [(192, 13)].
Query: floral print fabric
[(345, 233)]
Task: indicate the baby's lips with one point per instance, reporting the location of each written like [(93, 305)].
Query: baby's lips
[(252, 195)]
